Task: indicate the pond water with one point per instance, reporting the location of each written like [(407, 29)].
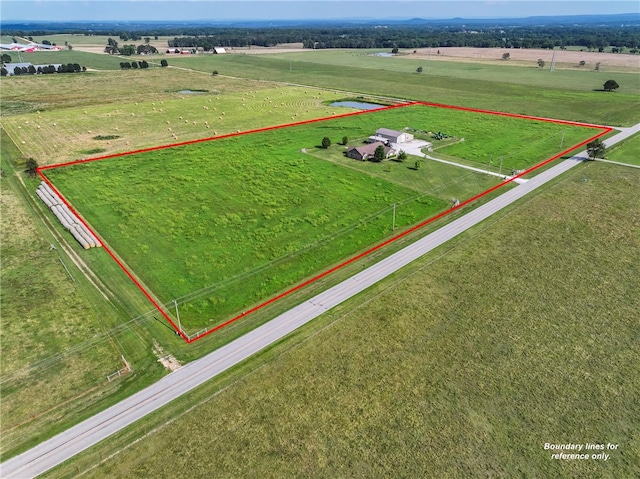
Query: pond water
[(382, 54), (191, 92), (357, 104)]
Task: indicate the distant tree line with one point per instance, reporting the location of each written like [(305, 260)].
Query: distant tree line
[(240, 37), (592, 37), (538, 37)]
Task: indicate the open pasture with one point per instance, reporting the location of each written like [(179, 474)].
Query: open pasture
[(222, 225), (629, 152), (34, 283), (489, 67), (521, 332), (62, 330), (164, 107), (568, 95)]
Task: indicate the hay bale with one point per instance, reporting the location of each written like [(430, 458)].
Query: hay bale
[(83, 242)]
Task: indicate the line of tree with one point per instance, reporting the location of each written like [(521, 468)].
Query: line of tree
[(591, 38), (44, 69), (135, 65)]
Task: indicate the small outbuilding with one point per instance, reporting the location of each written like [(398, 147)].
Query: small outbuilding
[(364, 152), (219, 50), (394, 136)]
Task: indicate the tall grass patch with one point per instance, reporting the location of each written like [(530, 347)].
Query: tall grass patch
[(44, 313)]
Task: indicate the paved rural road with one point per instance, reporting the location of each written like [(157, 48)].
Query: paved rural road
[(93, 430)]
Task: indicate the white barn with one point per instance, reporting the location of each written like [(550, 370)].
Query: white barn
[(394, 136)]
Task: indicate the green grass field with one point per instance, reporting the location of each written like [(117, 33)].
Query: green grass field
[(33, 284), (569, 95), (248, 216), (627, 153), (38, 347), (521, 332), (59, 128), (63, 330), (74, 381), (498, 73)]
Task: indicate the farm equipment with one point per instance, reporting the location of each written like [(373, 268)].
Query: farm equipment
[(440, 136)]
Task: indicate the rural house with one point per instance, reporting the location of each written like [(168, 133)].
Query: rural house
[(364, 152)]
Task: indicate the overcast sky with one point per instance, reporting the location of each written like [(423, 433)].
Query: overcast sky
[(140, 10)]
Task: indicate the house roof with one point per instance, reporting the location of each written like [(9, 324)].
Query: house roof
[(370, 149)]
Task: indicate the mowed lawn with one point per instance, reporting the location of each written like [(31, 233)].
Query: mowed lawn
[(248, 216), (524, 333)]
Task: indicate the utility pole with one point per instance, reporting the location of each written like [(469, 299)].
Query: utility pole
[(175, 303), (501, 158), (562, 141), (393, 227)]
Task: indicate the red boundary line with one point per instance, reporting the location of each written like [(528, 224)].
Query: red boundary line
[(604, 131)]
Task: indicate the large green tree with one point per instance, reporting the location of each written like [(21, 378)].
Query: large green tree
[(610, 85), (379, 155), (31, 166), (596, 149), (147, 49), (127, 50), (326, 142)]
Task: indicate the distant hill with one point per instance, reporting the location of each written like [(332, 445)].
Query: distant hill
[(628, 19)]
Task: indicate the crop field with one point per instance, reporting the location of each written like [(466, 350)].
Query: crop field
[(522, 332), (220, 226)]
